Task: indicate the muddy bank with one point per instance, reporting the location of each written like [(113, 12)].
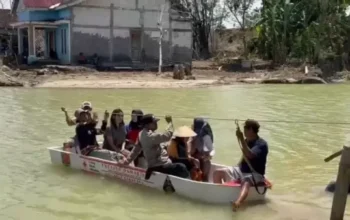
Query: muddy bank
[(82, 77)]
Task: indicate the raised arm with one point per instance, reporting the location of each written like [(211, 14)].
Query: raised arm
[(103, 128), (158, 138), (70, 121)]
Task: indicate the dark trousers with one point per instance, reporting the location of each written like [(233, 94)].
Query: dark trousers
[(184, 161), (174, 169)]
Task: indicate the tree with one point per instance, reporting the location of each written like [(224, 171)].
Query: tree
[(241, 11), (303, 29), (206, 15)]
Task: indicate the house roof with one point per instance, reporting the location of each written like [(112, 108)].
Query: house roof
[(41, 3), (6, 18), (45, 4)]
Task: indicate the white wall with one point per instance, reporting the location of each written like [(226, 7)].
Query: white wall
[(127, 4), (151, 19), (121, 33), (181, 25), (154, 4), (93, 31), (125, 18), (21, 6), (91, 16), (182, 39)]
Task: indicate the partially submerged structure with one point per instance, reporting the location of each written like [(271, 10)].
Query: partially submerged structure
[(115, 30)]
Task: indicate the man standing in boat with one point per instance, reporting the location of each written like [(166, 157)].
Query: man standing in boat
[(255, 150), (86, 106), (156, 156)]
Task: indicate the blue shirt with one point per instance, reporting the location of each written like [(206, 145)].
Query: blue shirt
[(260, 150)]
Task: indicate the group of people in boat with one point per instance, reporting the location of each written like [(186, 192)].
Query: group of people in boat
[(185, 152)]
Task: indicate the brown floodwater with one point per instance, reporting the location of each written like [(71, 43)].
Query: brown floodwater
[(32, 188)]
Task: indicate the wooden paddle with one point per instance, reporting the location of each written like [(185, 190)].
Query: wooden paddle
[(331, 157)]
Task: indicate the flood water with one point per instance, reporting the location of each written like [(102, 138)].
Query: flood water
[(32, 188)]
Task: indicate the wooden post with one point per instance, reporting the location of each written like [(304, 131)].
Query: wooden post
[(342, 186)]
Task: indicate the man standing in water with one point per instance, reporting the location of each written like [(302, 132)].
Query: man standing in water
[(255, 150)]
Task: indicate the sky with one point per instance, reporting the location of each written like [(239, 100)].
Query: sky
[(6, 4)]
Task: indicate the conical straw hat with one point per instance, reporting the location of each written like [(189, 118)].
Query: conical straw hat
[(184, 131)]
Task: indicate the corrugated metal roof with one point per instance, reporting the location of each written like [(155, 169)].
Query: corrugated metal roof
[(41, 3)]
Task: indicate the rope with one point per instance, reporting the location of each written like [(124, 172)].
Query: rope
[(264, 121), (250, 165)]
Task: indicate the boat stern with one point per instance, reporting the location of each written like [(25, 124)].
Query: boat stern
[(58, 156)]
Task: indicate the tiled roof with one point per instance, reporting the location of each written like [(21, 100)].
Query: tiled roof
[(41, 3)]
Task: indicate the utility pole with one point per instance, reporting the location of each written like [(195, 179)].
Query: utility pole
[(161, 33)]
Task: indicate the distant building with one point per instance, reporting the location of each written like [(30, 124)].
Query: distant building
[(116, 30)]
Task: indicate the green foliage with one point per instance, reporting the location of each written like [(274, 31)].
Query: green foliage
[(303, 29)]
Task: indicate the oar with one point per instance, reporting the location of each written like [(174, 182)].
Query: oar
[(331, 157)]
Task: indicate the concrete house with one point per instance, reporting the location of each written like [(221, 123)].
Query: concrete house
[(115, 30)]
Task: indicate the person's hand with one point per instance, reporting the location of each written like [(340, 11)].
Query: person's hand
[(64, 109), (124, 161), (239, 134), (106, 116), (235, 206), (195, 162), (168, 119), (95, 117)]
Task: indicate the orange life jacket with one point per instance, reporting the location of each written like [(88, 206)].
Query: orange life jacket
[(196, 173), (172, 149)]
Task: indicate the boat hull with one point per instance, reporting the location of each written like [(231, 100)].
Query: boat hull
[(200, 191)]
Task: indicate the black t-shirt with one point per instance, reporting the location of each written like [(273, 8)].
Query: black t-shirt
[(86, 135), (260, 149)]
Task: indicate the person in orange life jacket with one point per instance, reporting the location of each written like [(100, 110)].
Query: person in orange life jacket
[(203, 145), (255, 149), (179, 151), (115, 135)]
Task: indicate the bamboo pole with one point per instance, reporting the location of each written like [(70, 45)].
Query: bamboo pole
[(342, 186), (331, 157)]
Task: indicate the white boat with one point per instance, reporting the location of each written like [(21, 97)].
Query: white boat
[(200, 191)]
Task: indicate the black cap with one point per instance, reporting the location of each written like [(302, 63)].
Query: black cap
[(149, 118)]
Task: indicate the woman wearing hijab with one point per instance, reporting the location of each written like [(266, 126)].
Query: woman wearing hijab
[(203, 145)]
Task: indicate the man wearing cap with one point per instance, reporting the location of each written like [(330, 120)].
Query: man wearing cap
[(255, 149), (86, 106), (156, 156)]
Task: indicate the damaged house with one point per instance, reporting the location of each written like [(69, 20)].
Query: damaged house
[(115, 30)]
